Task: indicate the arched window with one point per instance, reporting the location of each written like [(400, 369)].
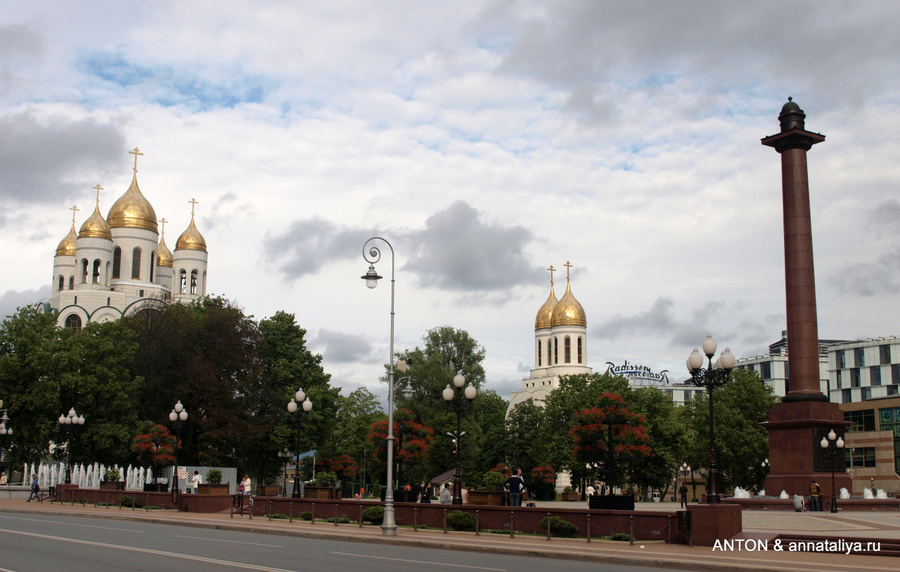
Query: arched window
[(580, 350), (567, 349), (193, 281), (95, 275), (136, 264), (555, 350), (183, 279), (73, 321), (549, 352), (539, 353), (62, 283), (152, 264), (71, 282), (84, 270), (117, 263)]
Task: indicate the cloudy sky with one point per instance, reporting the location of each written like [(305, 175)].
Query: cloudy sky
[(486, 141)]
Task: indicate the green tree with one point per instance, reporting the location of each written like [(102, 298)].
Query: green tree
[(355, 415), (524, 444)]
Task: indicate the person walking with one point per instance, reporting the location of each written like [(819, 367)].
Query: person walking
[(446, 495), (815, 503), (516, 485), (35, 489), (426, 493), (194, 481), (682, 492)]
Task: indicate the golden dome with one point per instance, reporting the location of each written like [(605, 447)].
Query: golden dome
[(95, 226), (67, 245), (133, 210), (191, 239), (544, 317), (163, 254), (568, 311)]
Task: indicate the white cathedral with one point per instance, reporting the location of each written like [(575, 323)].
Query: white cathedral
[(120, 265), (560, 345)]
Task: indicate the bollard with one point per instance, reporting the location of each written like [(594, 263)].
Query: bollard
[(335, 514), (107, 501), (669, 528), (476, 522), (360, 516), (445, 521), (269, 508), (630, 530), (312, 519), (549, 526), (416, 519), (512, 524), (290, 511), (147, 504), (589, 527)]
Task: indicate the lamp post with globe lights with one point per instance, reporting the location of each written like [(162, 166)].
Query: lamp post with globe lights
[(686, 471), (177, 416), (832, 444), (299, 406), (714, 375), (458, 400), (372, 254), (5, 433), (70, 424)]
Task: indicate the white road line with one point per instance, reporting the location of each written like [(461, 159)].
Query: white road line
[(231, 541), (73, 525), (151, 551), (418, 561)]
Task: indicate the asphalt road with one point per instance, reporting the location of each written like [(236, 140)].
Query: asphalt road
[(41, 543)]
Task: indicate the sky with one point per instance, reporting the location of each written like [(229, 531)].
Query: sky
[(486, 141)]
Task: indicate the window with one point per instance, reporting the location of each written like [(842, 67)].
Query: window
[(840, 379), (540, 355), (136, 264), (549, 352), (117, 262), (84, 270), (892, 390), (846, 396), (866, 394), (765, 369), (884, 353), (895, 374), (862, 456), (183, 279), (62, 283), (860, 355), (555, 350), (854, 377), (71, 282), (862, 420), (193, 281), (73, 321), (875, 375), (567, 349), (580, 350), (841, 359), (152, 264), (95, 275)]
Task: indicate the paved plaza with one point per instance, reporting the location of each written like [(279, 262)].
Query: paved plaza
[(876, 526)]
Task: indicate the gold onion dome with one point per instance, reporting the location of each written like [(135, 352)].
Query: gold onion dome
[(95, 226), (133, 210), (544, 319), (568, 311), (191, 239), (163, 254), (67, 245)]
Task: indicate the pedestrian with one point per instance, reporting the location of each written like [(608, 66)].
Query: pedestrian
[(814, 502), (591, 491), (602, 489), (194, 481), (35, 489), (245, 485), (682, 492), (426, 493), (516, 485), (446, 495), (872, 488)]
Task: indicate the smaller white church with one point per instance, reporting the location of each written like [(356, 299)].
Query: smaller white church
[(560, 345), (120, 265)]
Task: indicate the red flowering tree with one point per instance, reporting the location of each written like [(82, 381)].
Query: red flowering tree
[(543, 478), (155, 448), (344, 466), (412, 440), (503, 469), (590, 433)]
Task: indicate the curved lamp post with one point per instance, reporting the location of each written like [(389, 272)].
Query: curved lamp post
[(832, 443), (713, 376), (458, 401), (372, 254), (70, 424), (299, 406), (177, 416)]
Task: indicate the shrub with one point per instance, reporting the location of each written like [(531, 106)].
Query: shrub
[(459, 520), (112, 474), (278, 516), (130, 501), (306, 515), (559, 526), (340, 519), (493, 480), (620, 536), (374, 514), (214, 476), (325, 479)]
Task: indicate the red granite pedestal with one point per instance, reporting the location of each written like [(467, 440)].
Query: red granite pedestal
[(712, 522)]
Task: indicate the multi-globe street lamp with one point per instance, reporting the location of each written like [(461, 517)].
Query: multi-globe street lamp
[(285, 455), (5, 433), (372, 254), (177, 416), (686, 471), (70, 424), (299, 406), (832, 444), (713, 376), (458, 400)]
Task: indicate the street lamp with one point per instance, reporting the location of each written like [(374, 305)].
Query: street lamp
[(713, 376), (831, 444), (285, 456), (70, 425), (372, 254), (686, 470), (458, 401), (5, 432), (177, 416), (300, 405)]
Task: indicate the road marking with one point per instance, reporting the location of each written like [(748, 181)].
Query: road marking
[(71, 524), (150, 551), (418, 561), (231, 541)]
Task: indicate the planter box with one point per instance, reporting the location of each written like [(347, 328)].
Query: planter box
[(112, 485), (611, 502), (156, 487), (486, 498), (323, 493), (209, 489), (268, 490), (570, 496)]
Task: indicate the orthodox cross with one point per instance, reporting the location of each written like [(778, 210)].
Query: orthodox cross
[(551, 269), (163, 221), (193, 203), (568, 265), (136, 152), (98, 188), (73, 208)]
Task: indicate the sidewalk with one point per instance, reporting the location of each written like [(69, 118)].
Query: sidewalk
[(876, 526)]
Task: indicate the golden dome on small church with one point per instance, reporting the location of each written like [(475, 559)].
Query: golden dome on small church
[(191, 239), (67, 245), (544, 318), (132, 210), (568, 311), (95, 226), (163, 254)]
